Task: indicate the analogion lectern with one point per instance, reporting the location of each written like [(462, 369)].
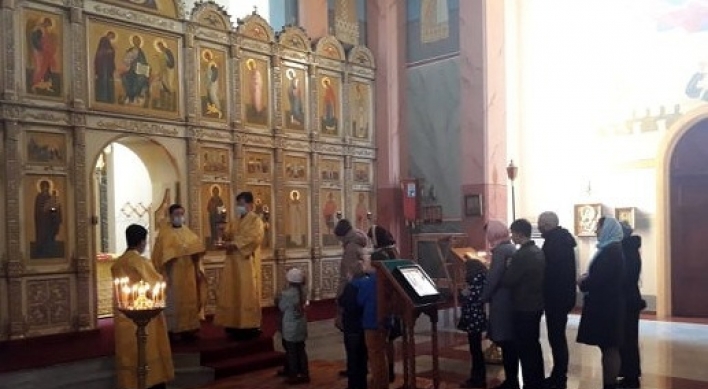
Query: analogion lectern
[(405, 290)]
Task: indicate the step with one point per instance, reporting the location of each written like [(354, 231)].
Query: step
[(246, 364), (225, 349)]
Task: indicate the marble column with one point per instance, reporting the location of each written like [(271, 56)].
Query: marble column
[(386, 29), (482, 117), (312, 16)]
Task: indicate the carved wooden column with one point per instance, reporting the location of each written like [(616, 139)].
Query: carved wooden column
[(316, 225), (15, 264), (347, 133), (83, 262), (78, 56), (279, 212), (10, 54), (235, 106), (192, 74), (348, 184), (277, 87), (194, 186)]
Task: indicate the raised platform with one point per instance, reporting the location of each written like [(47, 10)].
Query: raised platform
[(24, 363)]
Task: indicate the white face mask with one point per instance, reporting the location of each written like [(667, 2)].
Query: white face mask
[(241, 210), (178, 221)]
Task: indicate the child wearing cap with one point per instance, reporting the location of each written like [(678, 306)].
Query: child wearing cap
[(291, 302)]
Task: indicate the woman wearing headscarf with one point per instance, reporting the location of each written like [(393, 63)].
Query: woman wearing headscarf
[(602, 319), (630, 369), (501, 327)]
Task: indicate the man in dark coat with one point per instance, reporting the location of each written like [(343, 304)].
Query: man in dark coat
[(559, 292)]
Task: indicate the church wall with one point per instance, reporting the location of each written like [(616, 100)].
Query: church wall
[(596, 103), (238, 109)]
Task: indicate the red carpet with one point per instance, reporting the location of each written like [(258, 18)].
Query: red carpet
[(225, 356)]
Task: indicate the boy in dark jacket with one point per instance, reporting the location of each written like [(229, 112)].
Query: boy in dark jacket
[(352, 316)]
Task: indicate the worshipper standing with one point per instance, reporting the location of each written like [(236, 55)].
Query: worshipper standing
[(353, 243), (559, 292), (238, 305), (158, 354), (177, 255), (501, 323), (352, 316), (375, 332), (473, 320), (630, 369), (291, 302), (524, 276), (385, 249), (602, 318)]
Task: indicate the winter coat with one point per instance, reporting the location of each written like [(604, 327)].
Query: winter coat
[(353, 243), (602, 319), (501, 326), (633, 268), (559, 287)]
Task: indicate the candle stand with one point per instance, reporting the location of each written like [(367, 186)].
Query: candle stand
[(141, 318)]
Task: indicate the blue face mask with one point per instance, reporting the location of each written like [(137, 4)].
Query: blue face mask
[(241, 210)]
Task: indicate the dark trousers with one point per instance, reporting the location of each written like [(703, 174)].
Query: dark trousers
[(478, 371), (629, 352), (355, 346), (556, 322), (527, 328), (510, 359), (297, 359)]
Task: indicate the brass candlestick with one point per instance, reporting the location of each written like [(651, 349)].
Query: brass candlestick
[(141, 318)]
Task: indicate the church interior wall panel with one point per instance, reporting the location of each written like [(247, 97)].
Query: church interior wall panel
[(295, 98), (4, 312), (329, 277), (331, 206), (258, 165), (215, 163), (361, 108), (213, 83), (49, 304), (217, 207), (297, 220), (329, 105), (44, 62), (151, 84), (362, 205), (212, 273), (269, 283), (256, 91)]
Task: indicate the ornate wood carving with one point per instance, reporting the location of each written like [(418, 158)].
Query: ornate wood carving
[(83, 251), (194, 186), (9, 52)]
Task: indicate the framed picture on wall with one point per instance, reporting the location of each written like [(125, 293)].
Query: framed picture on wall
[(625, 214), (473, 205), (586, 217)]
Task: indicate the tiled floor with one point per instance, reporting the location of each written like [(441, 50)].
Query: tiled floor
[(674, 356)]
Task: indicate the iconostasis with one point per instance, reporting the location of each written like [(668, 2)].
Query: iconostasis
[(231, 108)]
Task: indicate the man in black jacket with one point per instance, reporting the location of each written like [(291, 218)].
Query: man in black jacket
[(559, 292), (524, 277)]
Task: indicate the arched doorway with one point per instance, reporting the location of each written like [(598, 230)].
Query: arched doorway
[(688, 201), (134, 181)]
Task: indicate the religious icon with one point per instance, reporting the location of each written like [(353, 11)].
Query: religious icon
[(297, 227), (360, 110), (212, 72), (46, 148), (329, 108), (133, 71), (296, 168), (255, 91), (215, 160), (44, 60), (586, 218), (361, 210), (294, 101), (47, 235), (216, 199), (626, 215), (330, 209), (362, 173), (330, 170), (434, 20), (258, 166)]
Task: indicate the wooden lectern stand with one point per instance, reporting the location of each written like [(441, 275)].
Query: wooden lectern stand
[(394, 299)]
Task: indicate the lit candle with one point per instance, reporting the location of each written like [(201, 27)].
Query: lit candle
[(162, 293), (135, 296), (124, 297)]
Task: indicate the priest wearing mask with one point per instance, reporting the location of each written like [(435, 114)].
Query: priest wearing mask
[(238, 307), (177, 255), (158, 354)]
